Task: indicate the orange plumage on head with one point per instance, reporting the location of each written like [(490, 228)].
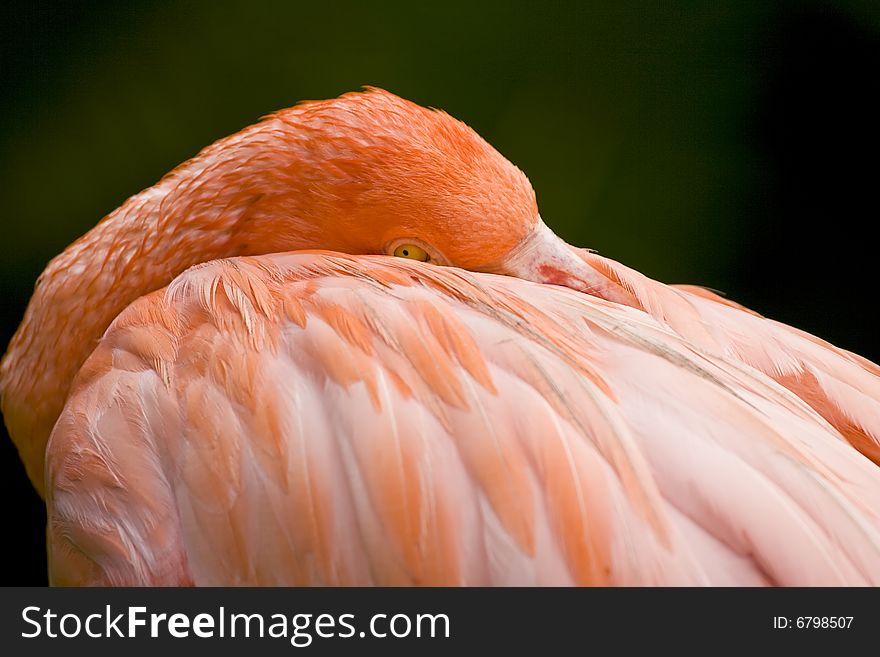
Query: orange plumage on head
[(371, 167)]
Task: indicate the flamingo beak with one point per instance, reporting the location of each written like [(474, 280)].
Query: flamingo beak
[(543, 257)]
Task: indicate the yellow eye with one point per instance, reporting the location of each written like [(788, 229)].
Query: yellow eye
[(412, 251)]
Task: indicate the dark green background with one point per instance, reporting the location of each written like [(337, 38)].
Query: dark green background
[(731, 145)]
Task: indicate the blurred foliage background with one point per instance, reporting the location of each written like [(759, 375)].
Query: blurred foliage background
[(732, 145)]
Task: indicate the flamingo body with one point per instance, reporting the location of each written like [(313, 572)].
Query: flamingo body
[(314, 418)]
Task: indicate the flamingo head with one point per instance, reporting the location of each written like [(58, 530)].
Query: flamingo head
[(380, 174)]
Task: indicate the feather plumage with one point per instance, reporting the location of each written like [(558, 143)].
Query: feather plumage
[(361, 443)]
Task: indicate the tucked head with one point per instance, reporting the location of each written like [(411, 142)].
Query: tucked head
[(375, 173)]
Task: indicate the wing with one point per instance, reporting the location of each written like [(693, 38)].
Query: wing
[(841, 386), (316, 418)]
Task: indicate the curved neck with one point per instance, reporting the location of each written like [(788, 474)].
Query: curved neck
[(199, 212)]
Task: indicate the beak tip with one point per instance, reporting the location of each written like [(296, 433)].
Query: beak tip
[(545, 258)]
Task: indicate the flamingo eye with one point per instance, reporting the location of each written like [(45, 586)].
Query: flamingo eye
[(412, 252)]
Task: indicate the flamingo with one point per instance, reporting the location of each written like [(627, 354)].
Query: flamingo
[(341, 347)]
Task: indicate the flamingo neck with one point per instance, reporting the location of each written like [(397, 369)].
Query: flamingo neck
[(200, 212)]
